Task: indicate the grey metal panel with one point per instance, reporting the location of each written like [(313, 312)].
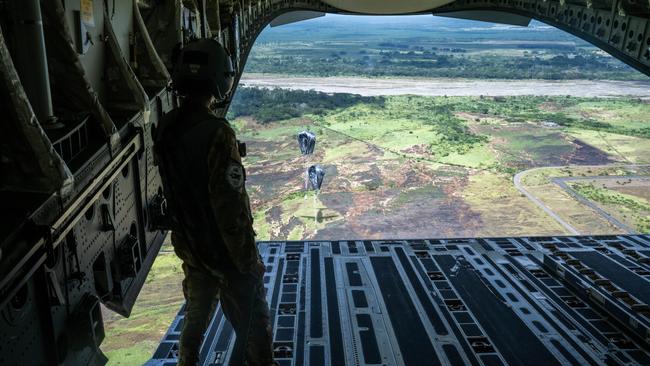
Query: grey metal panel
[(295, 16), (489, 16), (93, 61)]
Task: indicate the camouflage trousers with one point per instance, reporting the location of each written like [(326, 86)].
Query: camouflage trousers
[(244, 304)]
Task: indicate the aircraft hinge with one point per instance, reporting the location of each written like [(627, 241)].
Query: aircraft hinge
[(107, 219), (56, 294)]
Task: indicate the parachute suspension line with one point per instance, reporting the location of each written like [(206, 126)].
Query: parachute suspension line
[(306, 143), (313, 173), (314, 205)]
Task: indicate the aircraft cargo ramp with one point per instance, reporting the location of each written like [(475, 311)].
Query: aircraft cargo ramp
[(518, 301)]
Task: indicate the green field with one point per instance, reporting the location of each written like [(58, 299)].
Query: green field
[(132, 341), (629, 208), (425, 166)]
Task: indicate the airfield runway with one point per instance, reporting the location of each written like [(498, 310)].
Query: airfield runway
[(451, 87)]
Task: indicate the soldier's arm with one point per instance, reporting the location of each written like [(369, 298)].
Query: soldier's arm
[(230, 202)]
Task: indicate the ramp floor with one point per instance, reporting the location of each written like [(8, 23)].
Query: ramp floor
[(498, 301)]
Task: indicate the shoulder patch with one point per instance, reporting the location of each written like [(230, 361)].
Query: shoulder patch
[(235, 175)]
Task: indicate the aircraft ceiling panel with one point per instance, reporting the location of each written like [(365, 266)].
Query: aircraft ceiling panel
[(295, 16), (516, 301), (387, 7), (489, 16)]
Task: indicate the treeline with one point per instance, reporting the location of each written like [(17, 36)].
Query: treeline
[(536, 45), (455, 137), (527, 108), (455, 64), (266, 105), (441, 116)]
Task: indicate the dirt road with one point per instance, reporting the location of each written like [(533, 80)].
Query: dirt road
[(451, 87)]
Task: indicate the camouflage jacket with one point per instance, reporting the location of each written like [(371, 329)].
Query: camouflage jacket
[(203, 182)]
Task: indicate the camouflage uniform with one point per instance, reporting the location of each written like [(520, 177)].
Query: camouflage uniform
[(212, 231)]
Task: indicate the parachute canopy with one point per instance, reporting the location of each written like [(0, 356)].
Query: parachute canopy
[(315, 176), (307, 142)]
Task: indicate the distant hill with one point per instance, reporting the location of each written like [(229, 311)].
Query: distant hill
[(429, 46)]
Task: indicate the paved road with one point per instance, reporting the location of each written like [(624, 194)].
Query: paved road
[(561, 182), (451, 87), (555, 216), (540, 204)]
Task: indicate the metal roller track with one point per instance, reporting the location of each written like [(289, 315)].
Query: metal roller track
[(515, 301)]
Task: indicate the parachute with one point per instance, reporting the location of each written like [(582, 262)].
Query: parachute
[(307, 142), (315, 176)]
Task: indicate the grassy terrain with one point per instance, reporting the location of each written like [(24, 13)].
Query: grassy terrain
[(451, 159), (132, 341), (539, 182), (624, 147), (504, 210), (631, 209)]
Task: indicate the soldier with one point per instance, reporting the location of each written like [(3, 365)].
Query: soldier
[(199, 160)]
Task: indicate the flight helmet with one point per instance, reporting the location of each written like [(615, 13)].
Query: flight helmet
[(203, 66)]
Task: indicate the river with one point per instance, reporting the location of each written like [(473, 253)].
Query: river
[(451, 87)]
